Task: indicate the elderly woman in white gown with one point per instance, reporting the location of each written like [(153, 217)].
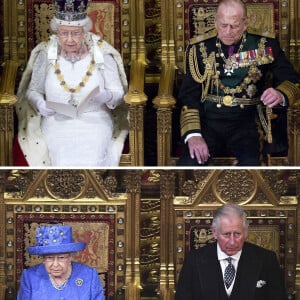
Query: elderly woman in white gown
[(71, 110)]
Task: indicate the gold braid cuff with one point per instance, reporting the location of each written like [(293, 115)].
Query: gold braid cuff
[(291, 90), (189, 120)]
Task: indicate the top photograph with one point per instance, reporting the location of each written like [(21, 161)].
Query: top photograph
[(166, 83)]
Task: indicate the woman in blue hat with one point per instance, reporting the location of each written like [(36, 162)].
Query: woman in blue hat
[(58, 277)]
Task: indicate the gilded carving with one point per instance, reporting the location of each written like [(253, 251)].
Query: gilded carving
[(150, 242), (110, 184), (260, 198), (164, 117), (210, 198), (189, 188), (136, 117), (201, 236), (278, 181), (202, 176), (18, 182), (203, 19), (132, 180), (154, 176), (153, 32), (151, 258), (167, 185), (43, 14), (102, 226), (267, 237), (238, 187), (65, 184)]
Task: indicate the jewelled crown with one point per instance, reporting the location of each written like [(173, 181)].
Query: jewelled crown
[(70, 10)]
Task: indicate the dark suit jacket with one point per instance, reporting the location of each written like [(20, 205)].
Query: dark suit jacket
[(201, 276)]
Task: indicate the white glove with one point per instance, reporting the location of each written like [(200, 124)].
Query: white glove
[(103, 96), (44, 110), (39, 104)]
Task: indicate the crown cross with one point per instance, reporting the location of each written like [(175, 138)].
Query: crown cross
[(69, 6), (81, 7)]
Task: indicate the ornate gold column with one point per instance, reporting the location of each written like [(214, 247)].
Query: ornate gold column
[(7, 101), (2, 239), (136, 101), (167, 269), (164, 101), (294, 13), (135, 96), (7, 82), (294, 135), (132, 274), (297, 237)]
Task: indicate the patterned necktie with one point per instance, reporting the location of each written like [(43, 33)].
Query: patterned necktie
[(229, 273)]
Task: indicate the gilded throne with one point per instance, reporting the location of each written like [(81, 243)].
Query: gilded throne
[(146, 220), (190, 207), (93, 202), (26, 23), (188, 19)]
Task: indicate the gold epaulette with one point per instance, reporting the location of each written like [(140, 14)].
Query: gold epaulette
[(189, 120), (291, 90), (203, 37), (261, 32)]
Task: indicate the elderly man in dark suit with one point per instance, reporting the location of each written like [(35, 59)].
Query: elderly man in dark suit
[(230, 268)]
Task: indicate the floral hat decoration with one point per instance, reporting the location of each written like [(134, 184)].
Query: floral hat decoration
[(55, 239)]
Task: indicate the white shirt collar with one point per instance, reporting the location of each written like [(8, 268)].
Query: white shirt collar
[(222, 255)]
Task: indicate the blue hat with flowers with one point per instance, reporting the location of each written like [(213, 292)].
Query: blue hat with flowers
[(55, 239)]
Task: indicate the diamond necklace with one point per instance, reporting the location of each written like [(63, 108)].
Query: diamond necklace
[(230, 63), (75, 57), (61, 286)]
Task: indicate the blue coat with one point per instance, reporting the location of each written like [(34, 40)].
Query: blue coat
[(83, 284)]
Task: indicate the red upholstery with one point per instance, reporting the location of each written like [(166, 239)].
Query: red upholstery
[(18, 156)]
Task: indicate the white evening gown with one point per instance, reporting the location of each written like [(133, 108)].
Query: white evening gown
[(86, 140)]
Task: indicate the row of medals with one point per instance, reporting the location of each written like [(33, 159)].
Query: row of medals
[(246, 58)]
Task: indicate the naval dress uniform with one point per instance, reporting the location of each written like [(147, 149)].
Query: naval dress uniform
[(220, 93)]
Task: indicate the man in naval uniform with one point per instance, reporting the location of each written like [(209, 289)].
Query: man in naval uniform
[(224, 88)]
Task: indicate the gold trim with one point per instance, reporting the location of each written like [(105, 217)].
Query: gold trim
[(203, 37), (189, 120), (260, 32), (291, 90)]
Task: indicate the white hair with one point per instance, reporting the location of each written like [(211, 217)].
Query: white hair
[(227, 210), (86, 24)]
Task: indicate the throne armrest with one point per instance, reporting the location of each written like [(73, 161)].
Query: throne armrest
[(136, 99), (164, 103)]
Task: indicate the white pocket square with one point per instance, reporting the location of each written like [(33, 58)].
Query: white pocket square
[(260, 283)]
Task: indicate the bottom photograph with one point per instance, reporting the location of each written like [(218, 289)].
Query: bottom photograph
[(182, 234)]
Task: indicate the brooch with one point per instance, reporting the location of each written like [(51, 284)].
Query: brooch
[(79, 281)]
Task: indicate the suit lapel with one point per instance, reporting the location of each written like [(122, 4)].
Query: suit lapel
[(209, 262), (247, 275)]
